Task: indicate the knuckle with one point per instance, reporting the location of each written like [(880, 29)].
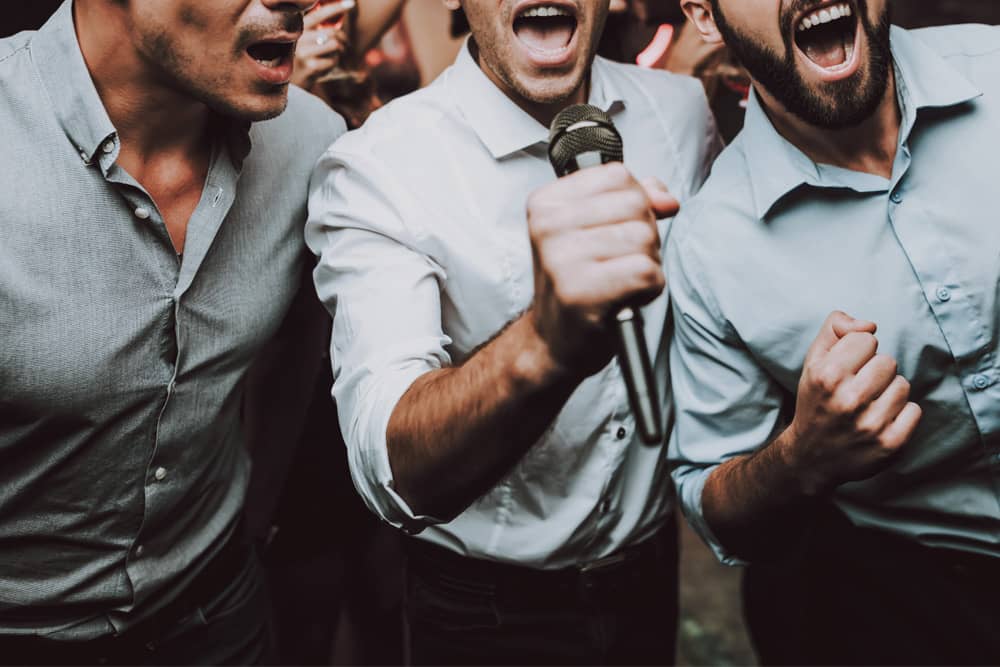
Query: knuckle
[(867, 429), (650, 272), (827, 379), (887, 362), (617, 173), (888, 444), (845, 402)]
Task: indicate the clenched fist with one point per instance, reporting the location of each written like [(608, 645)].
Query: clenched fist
[(596, 248), (852, 412)]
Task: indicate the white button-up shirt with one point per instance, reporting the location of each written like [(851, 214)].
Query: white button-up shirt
[(419, 223)]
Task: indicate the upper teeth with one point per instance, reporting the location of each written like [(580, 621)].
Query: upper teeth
[(547, 10), (825, 15)]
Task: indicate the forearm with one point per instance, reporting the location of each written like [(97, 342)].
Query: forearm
[(457, 431), (374, 17), (755, 504)]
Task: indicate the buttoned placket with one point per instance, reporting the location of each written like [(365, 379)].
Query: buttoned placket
[(959, 321)]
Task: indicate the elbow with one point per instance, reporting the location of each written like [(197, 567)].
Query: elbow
[(422, 494)]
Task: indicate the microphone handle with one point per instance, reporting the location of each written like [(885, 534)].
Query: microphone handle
[(633, 356)]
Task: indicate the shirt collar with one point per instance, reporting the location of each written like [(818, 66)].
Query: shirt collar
[(64, 74), (776, 167), (502, 126), (76, 103)]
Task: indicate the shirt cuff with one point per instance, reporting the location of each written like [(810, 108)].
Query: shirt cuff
[(690, 490), (383, 498)]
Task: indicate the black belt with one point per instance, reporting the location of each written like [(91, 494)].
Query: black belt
[(219, 573), (629, 563)]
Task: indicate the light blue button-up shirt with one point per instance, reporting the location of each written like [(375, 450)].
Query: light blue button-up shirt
[(775, 242)]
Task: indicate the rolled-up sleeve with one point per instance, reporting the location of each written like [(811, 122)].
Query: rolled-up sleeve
[(726, 404), (384, 296)]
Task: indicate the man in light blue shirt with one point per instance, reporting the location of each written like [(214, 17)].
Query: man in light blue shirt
[(861, 187)]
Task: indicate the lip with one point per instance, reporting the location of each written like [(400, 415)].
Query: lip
[(282, 73), (848, 69), (548, 59)]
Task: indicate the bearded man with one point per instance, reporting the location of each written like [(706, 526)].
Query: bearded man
[(856, 470)]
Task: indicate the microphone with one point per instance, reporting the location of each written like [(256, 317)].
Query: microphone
[(583, 136)]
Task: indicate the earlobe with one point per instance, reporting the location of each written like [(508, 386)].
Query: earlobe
[(699, 13), (452, 4)]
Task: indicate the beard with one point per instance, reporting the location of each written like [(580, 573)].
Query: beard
[(836, 105)]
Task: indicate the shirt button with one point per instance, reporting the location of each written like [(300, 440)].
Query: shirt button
[(139, 550), (621, 433), (160, 474), (943, 294), (109, 146), (896, 197), (980, 382), (142, 213)]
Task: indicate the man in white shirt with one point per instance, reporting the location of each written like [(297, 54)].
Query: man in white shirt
[(479, 399)]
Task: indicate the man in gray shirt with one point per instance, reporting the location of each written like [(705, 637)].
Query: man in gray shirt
[(151, 246)]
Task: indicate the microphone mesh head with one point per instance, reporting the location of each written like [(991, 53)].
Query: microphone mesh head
[(582, 128)]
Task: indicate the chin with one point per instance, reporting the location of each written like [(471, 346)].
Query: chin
[(253, 108), (548, 91)]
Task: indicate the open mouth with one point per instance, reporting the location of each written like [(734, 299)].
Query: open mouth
[(545, 29), (271, 54), (828, 36)]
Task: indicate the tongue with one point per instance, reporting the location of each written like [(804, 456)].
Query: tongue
[(544, 34), (827, 53)]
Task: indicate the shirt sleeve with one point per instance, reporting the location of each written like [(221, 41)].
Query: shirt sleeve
[(384, 296), (726, 404)]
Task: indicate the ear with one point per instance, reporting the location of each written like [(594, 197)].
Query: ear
[(452, 4), (699, 13)]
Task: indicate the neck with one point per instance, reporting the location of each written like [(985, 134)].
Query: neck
[(869, 147), (149, 114), (546, 113)]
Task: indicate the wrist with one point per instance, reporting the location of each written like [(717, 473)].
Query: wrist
[(534, 364), (803, 479)]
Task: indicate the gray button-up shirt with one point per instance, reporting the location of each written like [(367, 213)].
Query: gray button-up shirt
[(122, 466), (774, 242)]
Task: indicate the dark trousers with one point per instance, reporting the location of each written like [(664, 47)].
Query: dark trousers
[(858, 596), (473, 612), (223, 619)]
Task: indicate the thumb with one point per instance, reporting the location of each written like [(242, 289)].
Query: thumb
[(664, 204), (837, 325)]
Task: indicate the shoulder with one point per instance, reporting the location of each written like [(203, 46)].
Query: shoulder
[(307, 122), (722, 209), (961, 40), (662, 89), (405, 124), (10, 46)]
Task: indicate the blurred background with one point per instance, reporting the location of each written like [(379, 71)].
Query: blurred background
[(358, 55)]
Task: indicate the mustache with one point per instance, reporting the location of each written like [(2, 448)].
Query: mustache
[(288, 21)]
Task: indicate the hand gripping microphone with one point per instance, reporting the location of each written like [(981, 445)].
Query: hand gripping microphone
[(583, 136)]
